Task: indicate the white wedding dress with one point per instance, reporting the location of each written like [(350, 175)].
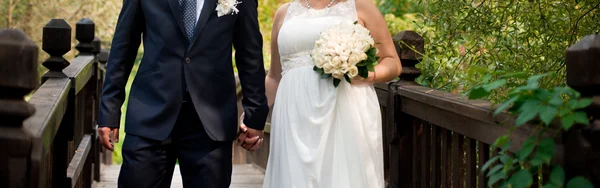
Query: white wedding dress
[(321, 136)]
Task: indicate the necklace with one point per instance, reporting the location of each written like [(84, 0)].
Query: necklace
[(328, 5)]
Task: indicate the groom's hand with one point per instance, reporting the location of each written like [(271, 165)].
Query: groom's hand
[(108, 136), (250, 139)]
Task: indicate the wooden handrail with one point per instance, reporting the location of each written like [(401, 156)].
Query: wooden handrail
[(58, 142)]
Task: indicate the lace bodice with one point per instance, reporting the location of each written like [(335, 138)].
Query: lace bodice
[(302, 27)]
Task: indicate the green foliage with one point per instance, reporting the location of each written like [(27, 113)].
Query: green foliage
[(532, 103), (399, 7), (467, 40)]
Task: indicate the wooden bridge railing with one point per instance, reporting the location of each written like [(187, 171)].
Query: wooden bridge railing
[(50, 140), (438, 139)]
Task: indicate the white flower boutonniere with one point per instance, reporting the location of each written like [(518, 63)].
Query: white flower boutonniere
[(225, 7)]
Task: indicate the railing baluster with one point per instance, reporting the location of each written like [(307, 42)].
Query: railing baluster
[(471, 162), (425, 149), (484, 155), (416, 154), (457, 159), (435, 156), (95, 153), (445, 155)]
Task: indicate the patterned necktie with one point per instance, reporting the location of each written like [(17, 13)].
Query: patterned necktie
[(188, 8)]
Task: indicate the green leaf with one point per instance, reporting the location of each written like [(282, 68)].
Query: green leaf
[(324, 76), (545, 151), (486, 78), (319, 70), (495, 169), (582, 118), (495, 178), (572, 103), (500, 141), (548, 113), (550, 186), (582, 103), (536, 161), (534, 80), (528, 111), (478, 93), (508, 165), (579, 182), (363, 72), (526, 149), (504, 159), (557, 176), (336, 82), (347, 78), (362, 63), (505, 105), (568, 121), (514, 75), (556, 100), (542, 94), (564, 111), (371, 67), (521, 179), (489, 163), (494, 85)]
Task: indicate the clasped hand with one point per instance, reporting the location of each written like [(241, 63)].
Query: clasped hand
[(250, 139)]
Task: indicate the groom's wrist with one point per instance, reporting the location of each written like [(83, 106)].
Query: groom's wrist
[(253, 125), (109, 126)]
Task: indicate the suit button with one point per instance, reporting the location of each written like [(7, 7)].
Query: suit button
[(187, 60)]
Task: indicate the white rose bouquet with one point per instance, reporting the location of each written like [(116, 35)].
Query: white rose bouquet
[(345, 51)]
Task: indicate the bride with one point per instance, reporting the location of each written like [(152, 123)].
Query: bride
[(322, 136)]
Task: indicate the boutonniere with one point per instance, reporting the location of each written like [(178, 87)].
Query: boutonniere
[(225, 7)]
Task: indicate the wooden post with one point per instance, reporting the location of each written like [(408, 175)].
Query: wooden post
[(103, 58), (95, 153), (56, 41), (84, 33), (582, 143), (400, 125), (18, 77)]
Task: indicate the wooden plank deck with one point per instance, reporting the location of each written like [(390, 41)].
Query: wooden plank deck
[(244, 176)]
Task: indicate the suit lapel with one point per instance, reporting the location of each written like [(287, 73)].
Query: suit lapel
[(176, 10), (207, 9)]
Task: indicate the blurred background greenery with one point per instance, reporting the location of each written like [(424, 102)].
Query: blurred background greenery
[(467, 41)]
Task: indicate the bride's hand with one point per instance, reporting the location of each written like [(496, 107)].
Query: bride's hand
[(250, 139), (360, 80)]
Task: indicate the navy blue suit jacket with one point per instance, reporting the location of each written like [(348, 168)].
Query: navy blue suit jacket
[(205, 63)]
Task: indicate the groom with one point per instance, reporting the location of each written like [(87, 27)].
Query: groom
[(182, 104)]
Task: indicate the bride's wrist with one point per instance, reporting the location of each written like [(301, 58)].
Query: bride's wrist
[(372, 76)]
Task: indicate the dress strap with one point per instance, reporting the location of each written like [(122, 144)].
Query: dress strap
[(293, 10)]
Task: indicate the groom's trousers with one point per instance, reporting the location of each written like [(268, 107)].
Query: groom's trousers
[(204, 163)]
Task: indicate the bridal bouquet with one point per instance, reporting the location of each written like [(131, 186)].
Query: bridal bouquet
[(345, 51)]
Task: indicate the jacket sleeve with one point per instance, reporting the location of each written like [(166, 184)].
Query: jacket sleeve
[(247, 41), (124, 48)]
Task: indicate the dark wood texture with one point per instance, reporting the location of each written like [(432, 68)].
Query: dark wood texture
[(582, 144), (55, 144), (483, 150), (75, 169), (18, 77)]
